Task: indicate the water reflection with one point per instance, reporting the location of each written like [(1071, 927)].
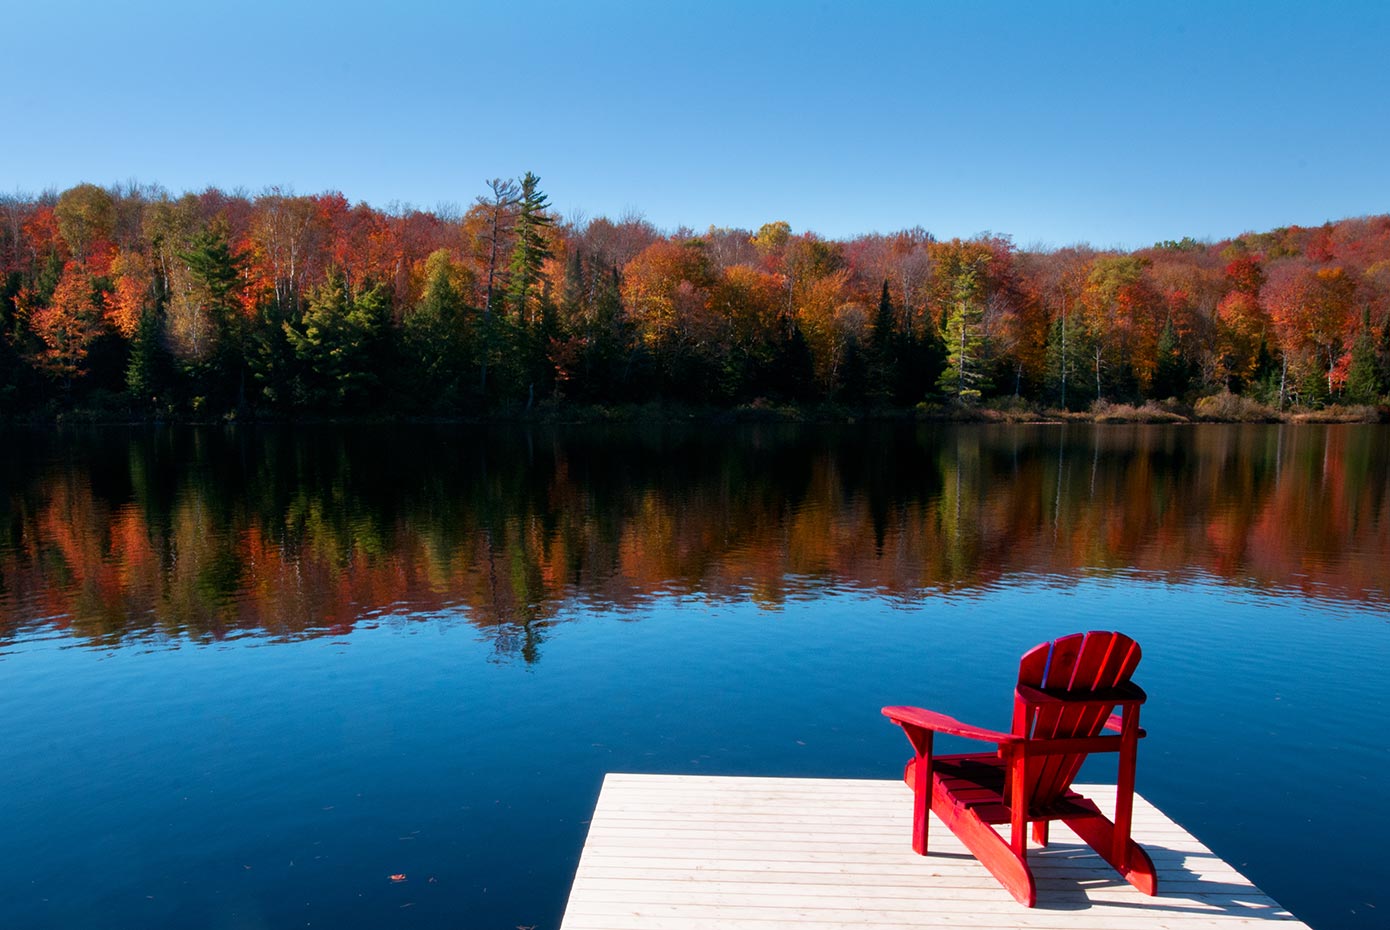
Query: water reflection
[(209, 533)]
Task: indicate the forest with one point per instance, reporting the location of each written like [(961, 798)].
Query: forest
[(131, 303)]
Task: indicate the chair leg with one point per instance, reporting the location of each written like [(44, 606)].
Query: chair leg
[(919, 776), (1133, 864), (1040, 832), (993, 851)]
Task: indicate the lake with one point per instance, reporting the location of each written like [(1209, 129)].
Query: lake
[(249, 675)]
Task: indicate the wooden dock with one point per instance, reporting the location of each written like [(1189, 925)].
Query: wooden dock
[(681, 852)]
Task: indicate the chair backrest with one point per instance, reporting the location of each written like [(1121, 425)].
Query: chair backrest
[(1074, 665)]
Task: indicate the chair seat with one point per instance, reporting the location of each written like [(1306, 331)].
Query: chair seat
[(977, 782)]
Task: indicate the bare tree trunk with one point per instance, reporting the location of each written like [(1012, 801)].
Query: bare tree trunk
[(487, 302), (503, 197), (1098, 354), (1065, 359), (961, 389)]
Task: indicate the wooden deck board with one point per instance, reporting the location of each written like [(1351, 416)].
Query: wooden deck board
[(680, 852)]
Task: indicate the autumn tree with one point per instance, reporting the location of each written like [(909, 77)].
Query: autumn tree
[(169, 227), (1245, 275), (133, 293), (1312, 312), (666, 290), (772, 238), (132, 310), (908, 266), (1242, 328), (1187, 285), (612, 244), (820, 303), (749, 301), (1017, 334), (86, 216), (1121, 312), (1054, 281), (69, 323), (285, 240)]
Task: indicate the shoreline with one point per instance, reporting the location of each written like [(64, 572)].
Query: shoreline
[(1228, 410)]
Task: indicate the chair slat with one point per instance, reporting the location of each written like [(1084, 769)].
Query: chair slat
[(1080, 663), (1054, 721), (1102, 659)]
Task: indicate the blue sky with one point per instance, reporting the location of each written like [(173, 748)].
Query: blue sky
[(1113, 123)]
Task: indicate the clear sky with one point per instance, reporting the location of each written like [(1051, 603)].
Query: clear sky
[(1116, 123)]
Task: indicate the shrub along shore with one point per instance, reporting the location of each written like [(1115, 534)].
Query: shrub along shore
[(1219, 408)]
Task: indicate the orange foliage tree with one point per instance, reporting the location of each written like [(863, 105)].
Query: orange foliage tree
[(69, 324), (131, 296)]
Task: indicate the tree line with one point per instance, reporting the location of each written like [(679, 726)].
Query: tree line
[(132, 301)]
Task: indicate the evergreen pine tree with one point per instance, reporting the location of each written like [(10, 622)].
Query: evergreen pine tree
[(573, 292), (531, 249), (1365, 383), (1173, 375), (924, 361), (884, 346), (792, 373), (854, 374), (538, 337), (219, 376), (337, 343), (149, 361), (608, 341), (438, 342)]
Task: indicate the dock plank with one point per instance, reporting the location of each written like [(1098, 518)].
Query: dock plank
[(679, 852)]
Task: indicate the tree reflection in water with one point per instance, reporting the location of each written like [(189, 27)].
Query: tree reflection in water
[(205, 533)]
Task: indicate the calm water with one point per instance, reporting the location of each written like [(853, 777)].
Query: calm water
[(247, 676)]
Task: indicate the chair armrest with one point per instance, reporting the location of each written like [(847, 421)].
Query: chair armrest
[(940, 723), (1116, 723)]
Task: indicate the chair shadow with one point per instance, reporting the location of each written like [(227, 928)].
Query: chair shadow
[(1066, 874)]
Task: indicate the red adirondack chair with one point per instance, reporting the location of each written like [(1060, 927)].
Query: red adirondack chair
[(1067, 693)]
